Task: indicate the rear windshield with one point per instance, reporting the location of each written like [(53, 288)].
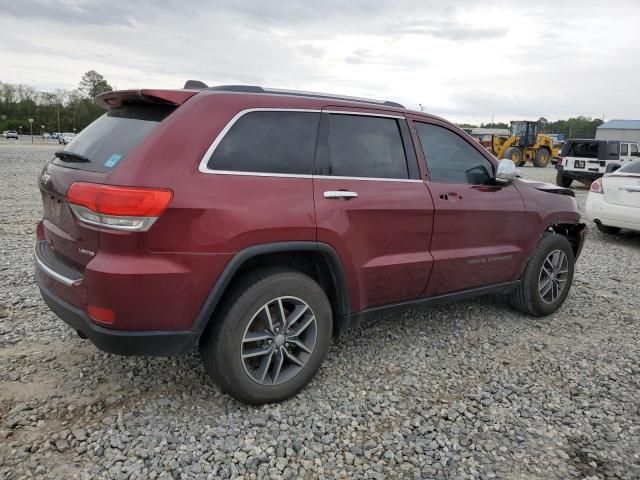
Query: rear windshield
[(633, 167), (104, 144), (591, 149)]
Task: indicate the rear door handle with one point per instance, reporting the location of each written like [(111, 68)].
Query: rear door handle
[(450, 196), (340, 194)]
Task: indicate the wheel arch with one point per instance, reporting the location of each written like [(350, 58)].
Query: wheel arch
[(315, 259), (574, 232)]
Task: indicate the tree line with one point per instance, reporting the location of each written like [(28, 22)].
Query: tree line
[(72, 110), (59, 110)]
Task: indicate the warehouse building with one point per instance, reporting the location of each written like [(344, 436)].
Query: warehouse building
[(628, 130)]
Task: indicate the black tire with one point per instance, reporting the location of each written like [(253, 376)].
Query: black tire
[(527, 296), (515, 155), (542, 158), (222, 344), (563, 181), (606, 229)]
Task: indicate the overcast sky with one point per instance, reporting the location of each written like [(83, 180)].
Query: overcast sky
[(464, 60)]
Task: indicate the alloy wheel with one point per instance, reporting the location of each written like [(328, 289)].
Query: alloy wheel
[(279, 340), (553, 276)]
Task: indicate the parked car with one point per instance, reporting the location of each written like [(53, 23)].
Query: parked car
[(258, 224), (613, 202), (56, 135), (11, 134), (588, 160), (46, 135), (66, 137)]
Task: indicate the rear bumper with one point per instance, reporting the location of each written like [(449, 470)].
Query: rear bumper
[(597, 209), (120, 342), (577, 174)]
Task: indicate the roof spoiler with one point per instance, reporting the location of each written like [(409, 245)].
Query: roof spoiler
[(122, 98), (195, 84)]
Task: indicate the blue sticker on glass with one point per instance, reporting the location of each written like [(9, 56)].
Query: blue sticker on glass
[(112, 160)]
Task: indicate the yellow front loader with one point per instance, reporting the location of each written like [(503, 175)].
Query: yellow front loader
[(524, 144)]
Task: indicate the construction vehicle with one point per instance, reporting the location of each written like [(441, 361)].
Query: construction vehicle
[(524, 144)]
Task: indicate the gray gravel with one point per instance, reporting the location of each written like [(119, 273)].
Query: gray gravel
[(470, 390)]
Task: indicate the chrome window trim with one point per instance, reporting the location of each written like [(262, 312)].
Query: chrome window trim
[(202, 167), (55, 275), (365, 114)]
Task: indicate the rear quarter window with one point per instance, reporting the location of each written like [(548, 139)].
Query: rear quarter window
[(108, 140), (280, 142)]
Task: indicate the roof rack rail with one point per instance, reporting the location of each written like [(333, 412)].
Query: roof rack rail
[(295, 93)]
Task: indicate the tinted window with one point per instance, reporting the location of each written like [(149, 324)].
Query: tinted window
[(269, 142), (450, 158), (634, 149), (108, 140), (632, 167), (624, 149), (581, 149), (361, 146)]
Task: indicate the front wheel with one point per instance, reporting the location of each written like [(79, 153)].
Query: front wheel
[(270, 337), (547, 277), (515, 155)]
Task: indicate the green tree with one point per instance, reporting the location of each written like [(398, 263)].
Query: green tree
[(92, 84)]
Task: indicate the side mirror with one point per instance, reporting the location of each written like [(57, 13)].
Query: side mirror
[(506, 172)]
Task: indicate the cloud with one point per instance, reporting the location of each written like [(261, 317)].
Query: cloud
[(464, 60), (448, 30)]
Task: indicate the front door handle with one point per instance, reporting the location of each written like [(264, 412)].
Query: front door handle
[(340, 194)]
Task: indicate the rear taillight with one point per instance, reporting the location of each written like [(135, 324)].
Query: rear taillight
[(596, 186), (101, 315), (118, 208)]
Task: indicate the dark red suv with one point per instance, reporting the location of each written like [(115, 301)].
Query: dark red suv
[(256, 224)]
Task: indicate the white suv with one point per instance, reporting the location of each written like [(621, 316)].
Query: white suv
[(588, 160)]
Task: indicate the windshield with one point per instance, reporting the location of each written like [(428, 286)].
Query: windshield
[(518, 129), (106, 142)]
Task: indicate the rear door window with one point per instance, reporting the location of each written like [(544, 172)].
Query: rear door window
[(105, 143), (280, 142), (364, 146)]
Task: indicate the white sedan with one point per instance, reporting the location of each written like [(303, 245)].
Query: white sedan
[(613, 202)]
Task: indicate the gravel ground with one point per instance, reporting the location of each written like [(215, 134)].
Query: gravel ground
[(470, 390)]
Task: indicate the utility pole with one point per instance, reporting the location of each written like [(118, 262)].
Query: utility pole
[(58, 117), (31, 127)]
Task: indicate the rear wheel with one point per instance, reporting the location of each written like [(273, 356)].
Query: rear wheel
[(270, 337), (542, 158), (563, 181), (606, 229), (547, 277), (515, 155)]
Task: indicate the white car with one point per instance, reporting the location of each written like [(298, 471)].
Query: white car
[(66, 137), (613, 202)]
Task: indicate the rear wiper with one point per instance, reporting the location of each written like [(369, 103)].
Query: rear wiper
[(71, 156)]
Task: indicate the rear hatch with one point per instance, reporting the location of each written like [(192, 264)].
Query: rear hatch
[(94, 154), (589, 155), (623, 187)]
